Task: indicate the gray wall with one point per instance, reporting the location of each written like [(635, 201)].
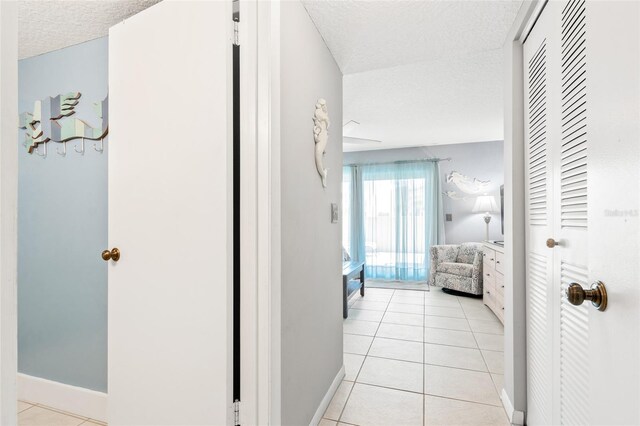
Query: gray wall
[(62, 228), (311, 248), (482, 160)]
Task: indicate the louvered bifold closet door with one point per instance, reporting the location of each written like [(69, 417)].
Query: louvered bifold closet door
[(539, 213), (571, 264), (556, 160)]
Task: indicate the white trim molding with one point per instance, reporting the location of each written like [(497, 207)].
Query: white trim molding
[(515, 417), (72, 399), (327, 398), (8, 209), (268, 206)]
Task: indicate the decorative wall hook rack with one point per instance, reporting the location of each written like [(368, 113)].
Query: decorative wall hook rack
[(51, 121)]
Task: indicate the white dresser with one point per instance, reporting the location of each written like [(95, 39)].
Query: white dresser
[(493, 278)]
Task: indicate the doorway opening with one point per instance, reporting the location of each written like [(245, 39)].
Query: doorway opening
[(423, 170)]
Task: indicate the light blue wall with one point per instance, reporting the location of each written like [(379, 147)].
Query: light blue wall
[(62, 229)]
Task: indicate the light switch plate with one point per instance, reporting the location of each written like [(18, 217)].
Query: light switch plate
[(334, 213), (448, 217)]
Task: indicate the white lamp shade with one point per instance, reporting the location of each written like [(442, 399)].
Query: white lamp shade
[(485, 204)]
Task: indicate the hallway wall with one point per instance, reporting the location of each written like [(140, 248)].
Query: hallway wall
[(311, 249), (481, 160), (62, 229)]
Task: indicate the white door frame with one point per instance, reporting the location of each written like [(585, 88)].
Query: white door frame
[(260, 81), (259, 36), (8, 210), (514, 394)]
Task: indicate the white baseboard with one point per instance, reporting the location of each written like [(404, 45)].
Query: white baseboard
[(327, 398), (72, 399), (515, 417)]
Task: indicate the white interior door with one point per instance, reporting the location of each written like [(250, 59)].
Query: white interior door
[(170, 214), (581, 367), (613, 123)]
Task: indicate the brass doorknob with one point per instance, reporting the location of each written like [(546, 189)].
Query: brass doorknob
[(114, 254), (597, 295), (551, 243)]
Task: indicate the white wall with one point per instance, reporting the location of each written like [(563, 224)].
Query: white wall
[(481, 160), (8, 208), (311, 265)]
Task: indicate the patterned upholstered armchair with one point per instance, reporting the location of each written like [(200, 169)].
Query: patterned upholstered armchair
[(457, 267)]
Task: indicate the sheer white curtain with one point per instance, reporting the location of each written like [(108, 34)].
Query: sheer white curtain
[(352, 232), (395, 215)]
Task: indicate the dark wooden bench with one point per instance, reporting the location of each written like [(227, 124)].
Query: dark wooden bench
[(351, 270)]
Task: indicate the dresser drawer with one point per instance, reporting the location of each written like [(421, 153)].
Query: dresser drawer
[(499, 262), (498, 298), (489, 288), (488, 298), (499, 283), (489, 257), (488, 274)]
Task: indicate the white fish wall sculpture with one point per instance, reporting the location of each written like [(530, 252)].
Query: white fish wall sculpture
[(467, 184)]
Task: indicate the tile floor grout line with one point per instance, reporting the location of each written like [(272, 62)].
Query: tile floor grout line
[(448, 345), (355, 379), (28, 408), (481, 354), (420, 393), (485, 361), (490, 373), (392, 388), (457, 368), (64, 413), (462, 400), (424, 361)]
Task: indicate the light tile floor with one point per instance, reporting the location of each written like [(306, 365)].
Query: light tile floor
[(38, 415), (419, 358)]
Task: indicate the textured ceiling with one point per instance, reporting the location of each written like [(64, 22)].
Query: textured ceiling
[(453, 100), (46, 25), (366, 35), (418, 72)]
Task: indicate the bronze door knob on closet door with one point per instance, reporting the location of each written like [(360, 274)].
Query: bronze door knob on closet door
[(113, 254), (597, 295), (551, 243)]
